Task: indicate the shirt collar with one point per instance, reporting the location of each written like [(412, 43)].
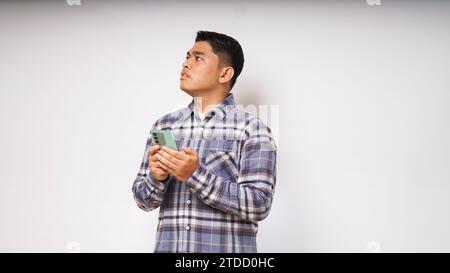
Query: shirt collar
[(220, 111)]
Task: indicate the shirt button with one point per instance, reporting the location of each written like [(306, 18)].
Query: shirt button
[(188, 227), (188, 201)]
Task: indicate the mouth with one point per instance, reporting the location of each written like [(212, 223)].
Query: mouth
[(184, 75)]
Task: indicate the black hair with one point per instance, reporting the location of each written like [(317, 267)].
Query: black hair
[(227, 48)]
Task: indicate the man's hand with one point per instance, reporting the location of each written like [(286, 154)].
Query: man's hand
[(158, 172), (178, 164)]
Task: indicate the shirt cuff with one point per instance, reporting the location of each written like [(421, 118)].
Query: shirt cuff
[(159, 184)]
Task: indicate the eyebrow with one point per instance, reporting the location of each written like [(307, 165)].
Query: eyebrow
[(195, 53)]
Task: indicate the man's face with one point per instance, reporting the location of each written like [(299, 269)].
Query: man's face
[(201, 70)]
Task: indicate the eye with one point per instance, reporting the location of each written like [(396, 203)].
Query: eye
[(197, 58)]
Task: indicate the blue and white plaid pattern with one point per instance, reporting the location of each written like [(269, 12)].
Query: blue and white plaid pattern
[(218, 208)]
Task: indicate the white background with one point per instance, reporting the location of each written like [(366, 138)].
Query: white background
[(362, 94)]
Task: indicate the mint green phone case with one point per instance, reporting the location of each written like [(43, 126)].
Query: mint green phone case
[(164, 138)]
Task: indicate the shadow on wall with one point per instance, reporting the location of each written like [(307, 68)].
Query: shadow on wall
[(253, 98), (248, 95)]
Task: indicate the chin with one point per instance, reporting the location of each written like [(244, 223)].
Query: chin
[(183, 87), (190, 91)]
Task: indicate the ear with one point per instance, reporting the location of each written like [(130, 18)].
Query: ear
[(226, 74)]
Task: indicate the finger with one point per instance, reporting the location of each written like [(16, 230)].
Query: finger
[(155, 166), (160, 171), (164, 167), (154, 149), (165, 161), (169, 157), (153, 158), (189, 151), (174, 153)]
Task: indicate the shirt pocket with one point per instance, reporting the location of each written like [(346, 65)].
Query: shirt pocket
[(222, 158)]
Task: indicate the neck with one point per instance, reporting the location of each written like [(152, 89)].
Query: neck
[(205, 102)]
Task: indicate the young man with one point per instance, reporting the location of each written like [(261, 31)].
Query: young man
[(214, 190)]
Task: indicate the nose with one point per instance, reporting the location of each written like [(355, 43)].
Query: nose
[(186, 64)]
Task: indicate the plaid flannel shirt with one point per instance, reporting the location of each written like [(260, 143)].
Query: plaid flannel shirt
[(218, 208)]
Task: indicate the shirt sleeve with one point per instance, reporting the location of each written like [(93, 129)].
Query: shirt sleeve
[(250, 195), (148, 192)]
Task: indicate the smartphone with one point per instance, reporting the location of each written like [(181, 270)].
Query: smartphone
[(164, 138)]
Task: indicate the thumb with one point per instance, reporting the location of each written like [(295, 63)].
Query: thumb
[(189, 150)]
